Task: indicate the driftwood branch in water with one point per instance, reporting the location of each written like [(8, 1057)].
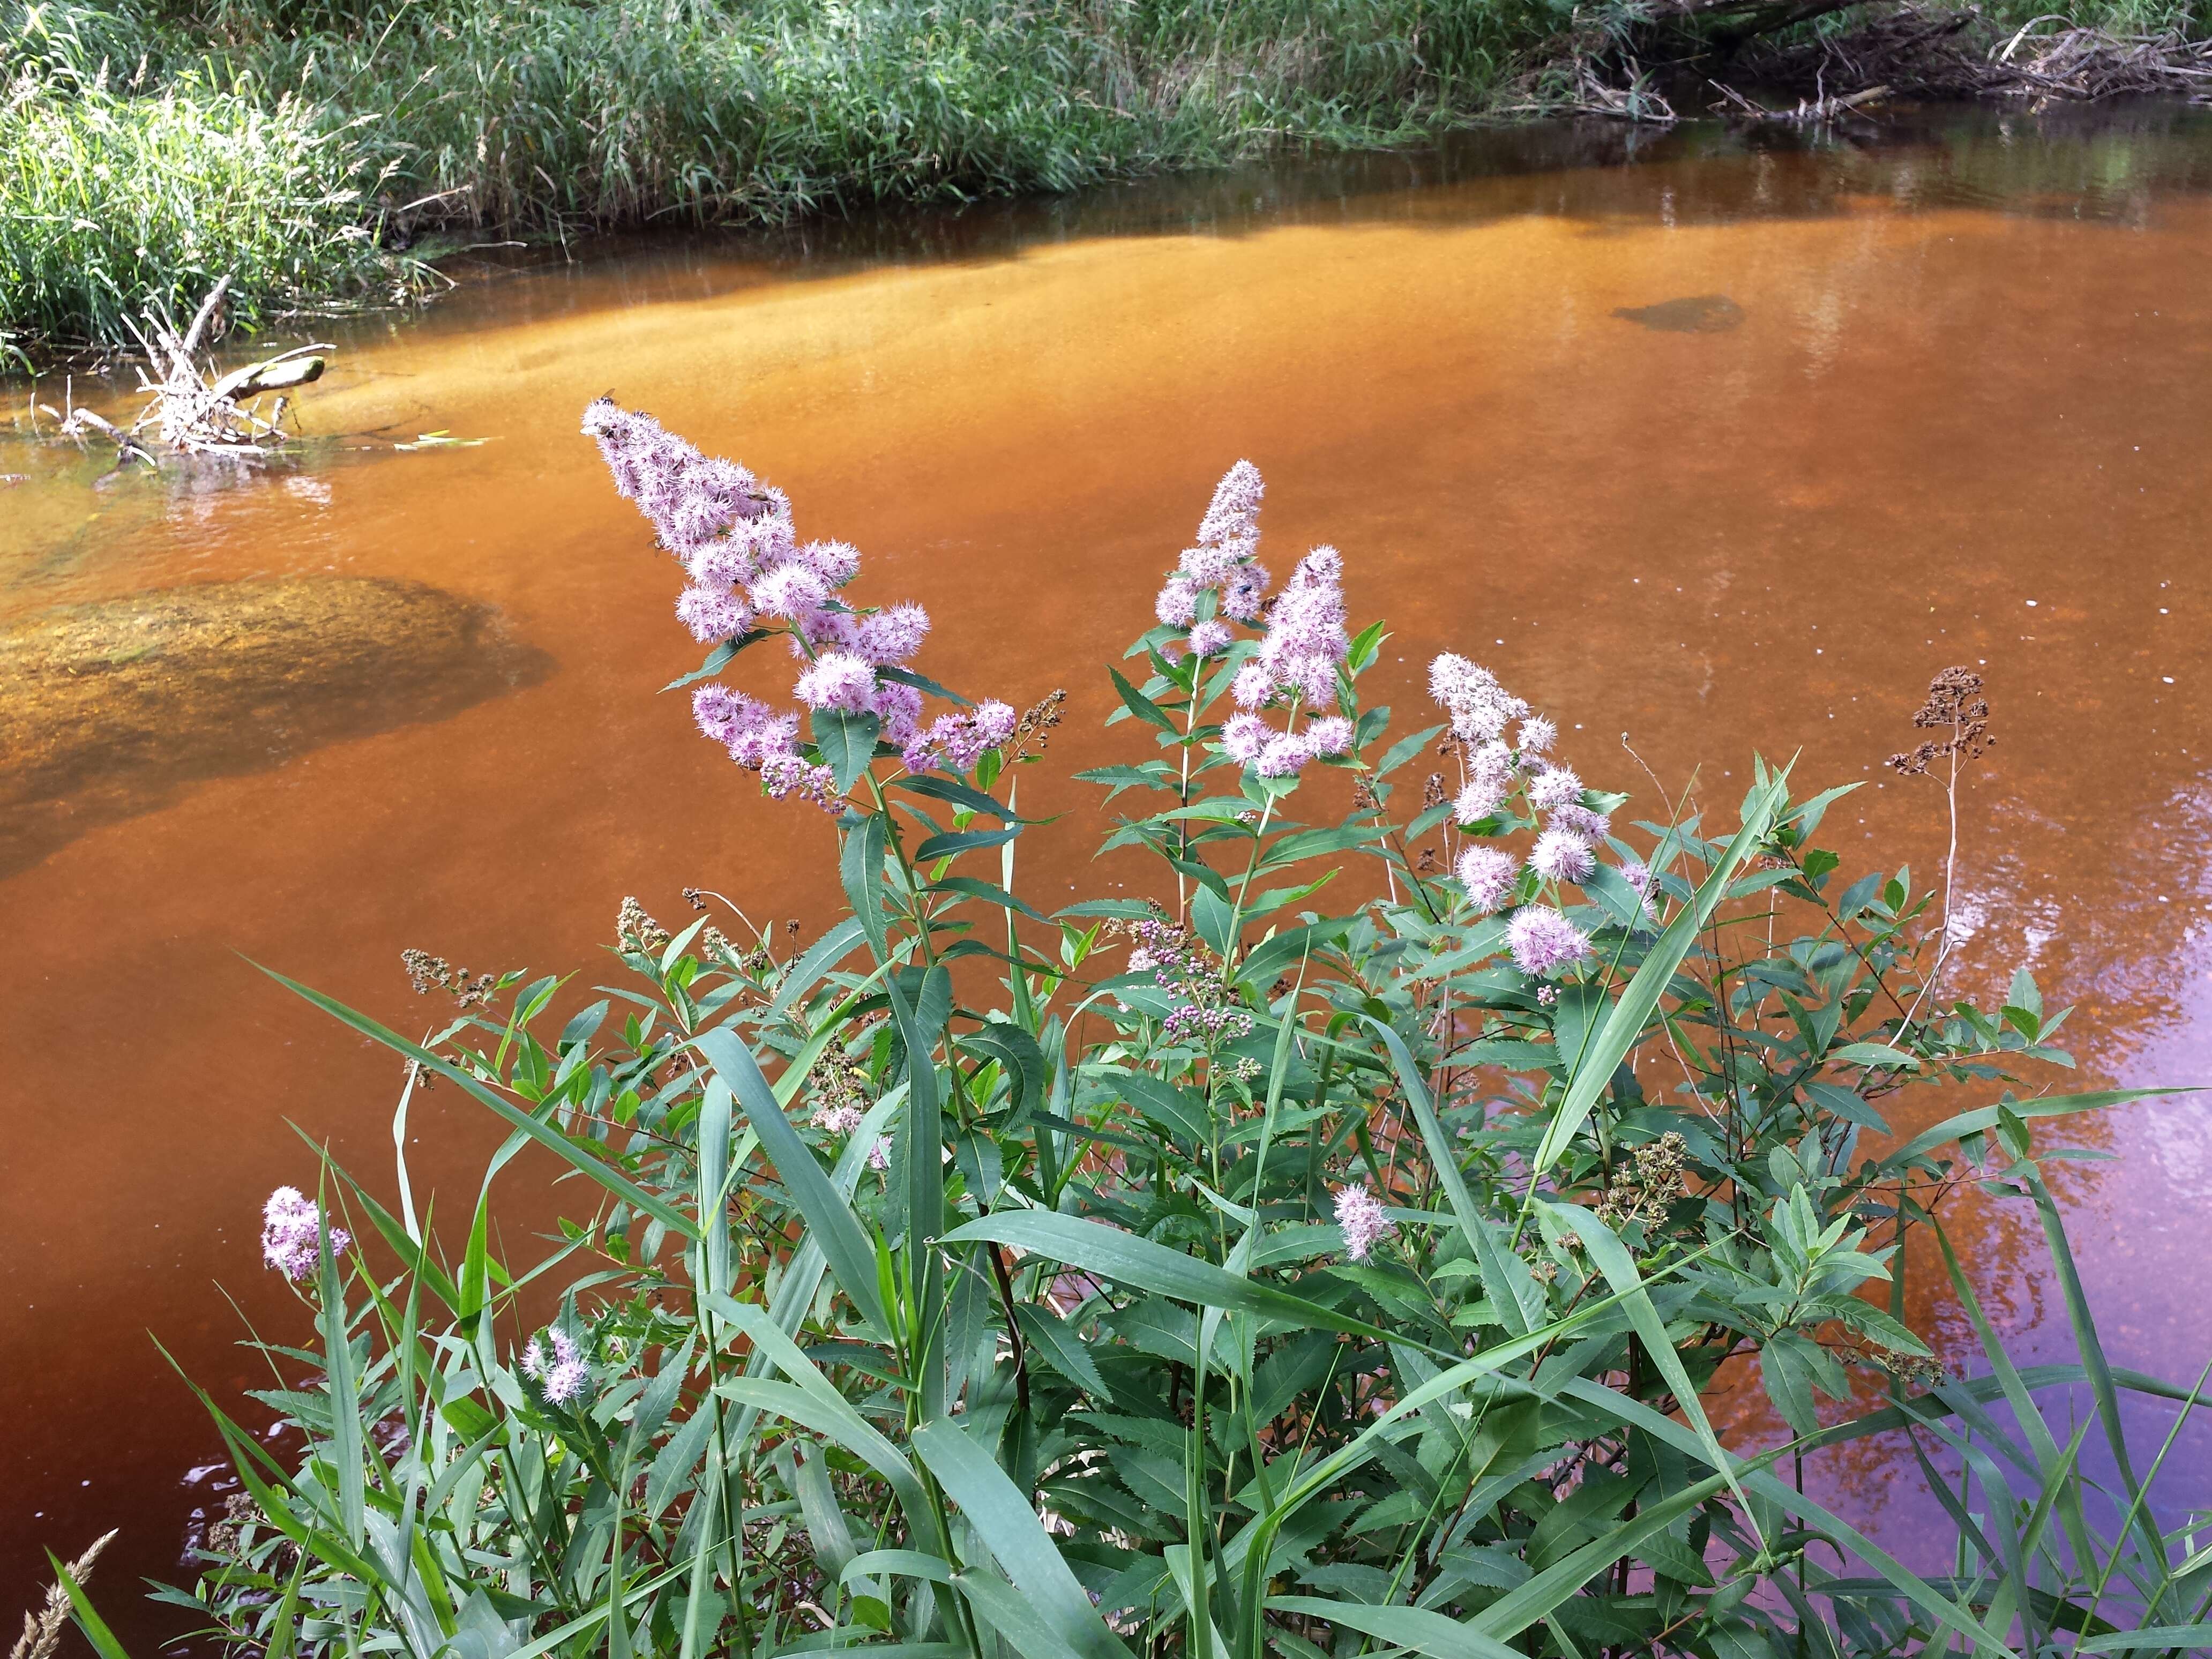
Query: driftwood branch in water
[(191, 409)]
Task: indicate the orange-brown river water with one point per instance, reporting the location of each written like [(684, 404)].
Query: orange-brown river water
[(1724, 446)]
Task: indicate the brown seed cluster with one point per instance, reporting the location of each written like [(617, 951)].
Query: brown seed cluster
[(1645, 1188), (634, 930), (1955, 705), (427, 972), (1033, 730)]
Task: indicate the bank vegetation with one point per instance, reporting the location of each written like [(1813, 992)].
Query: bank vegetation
[(324, 152)]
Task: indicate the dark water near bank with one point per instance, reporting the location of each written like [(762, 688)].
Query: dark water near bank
[(1722, 442)]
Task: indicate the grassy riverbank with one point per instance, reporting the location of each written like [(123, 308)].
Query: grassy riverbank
[(306, 144)]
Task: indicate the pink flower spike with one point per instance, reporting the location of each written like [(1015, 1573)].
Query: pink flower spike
[(841, 680), (1254, 685), (555, 1364), (1232, 517), (291, 1234), (1330, 734), (792, 592), (890, 637), (1553, 787), (1211, 639), (712, 613), (1477, 802), (1487, 875), (1283, 756), (1361, 1216), (1177, 603), (835, 562), (1543, 941), (1242, 738), (1575, 819), (1562, 856)]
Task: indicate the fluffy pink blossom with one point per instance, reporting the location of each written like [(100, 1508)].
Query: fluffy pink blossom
[(1576, 819), (1254, 685), (1329, 734), (1487, 875), (712, 613), (1543, 941), (1477, 802), (1537, 734), (1562, 856), (753, 733), (1363, 1219), (842, 680), (1232, 517), (793, 592), (555, 1364), (840, 1120), (1553, 787), (1221, 561), (291, 1234), (1177, 603), (722, 563), (1479, 705), (1284, 755), (835, 562), (960, 740), (1491, 764), (1305, 644), (1245, 592), (892, 635), (732, 531), (900, 708), (1242, 738), (1638, 875), (784, 775)]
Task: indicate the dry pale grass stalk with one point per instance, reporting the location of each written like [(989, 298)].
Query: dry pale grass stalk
[(42, 1630)]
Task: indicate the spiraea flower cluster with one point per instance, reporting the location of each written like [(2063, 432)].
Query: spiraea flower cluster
[(556, 1365), (1363, 1219), (291, 1234), (1206, 1013), (1505, 746), (749, 572), (1298, 660), (1224, 564)]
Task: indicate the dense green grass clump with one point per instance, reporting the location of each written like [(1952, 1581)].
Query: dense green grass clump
[(114, 202)]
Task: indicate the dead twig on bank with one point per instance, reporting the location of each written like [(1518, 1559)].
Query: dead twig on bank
[(1816, 111), (1926, 53)]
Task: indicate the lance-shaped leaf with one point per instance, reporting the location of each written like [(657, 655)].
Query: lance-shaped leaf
[(1623, 1026), (588, 1160), (829, 1219), (1004, 1517), (1126, 1259)]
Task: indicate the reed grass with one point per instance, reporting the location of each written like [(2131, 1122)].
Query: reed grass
[(114, 201)]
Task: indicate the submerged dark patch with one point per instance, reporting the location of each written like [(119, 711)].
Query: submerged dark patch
[(113, 709), (1700, 314)]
